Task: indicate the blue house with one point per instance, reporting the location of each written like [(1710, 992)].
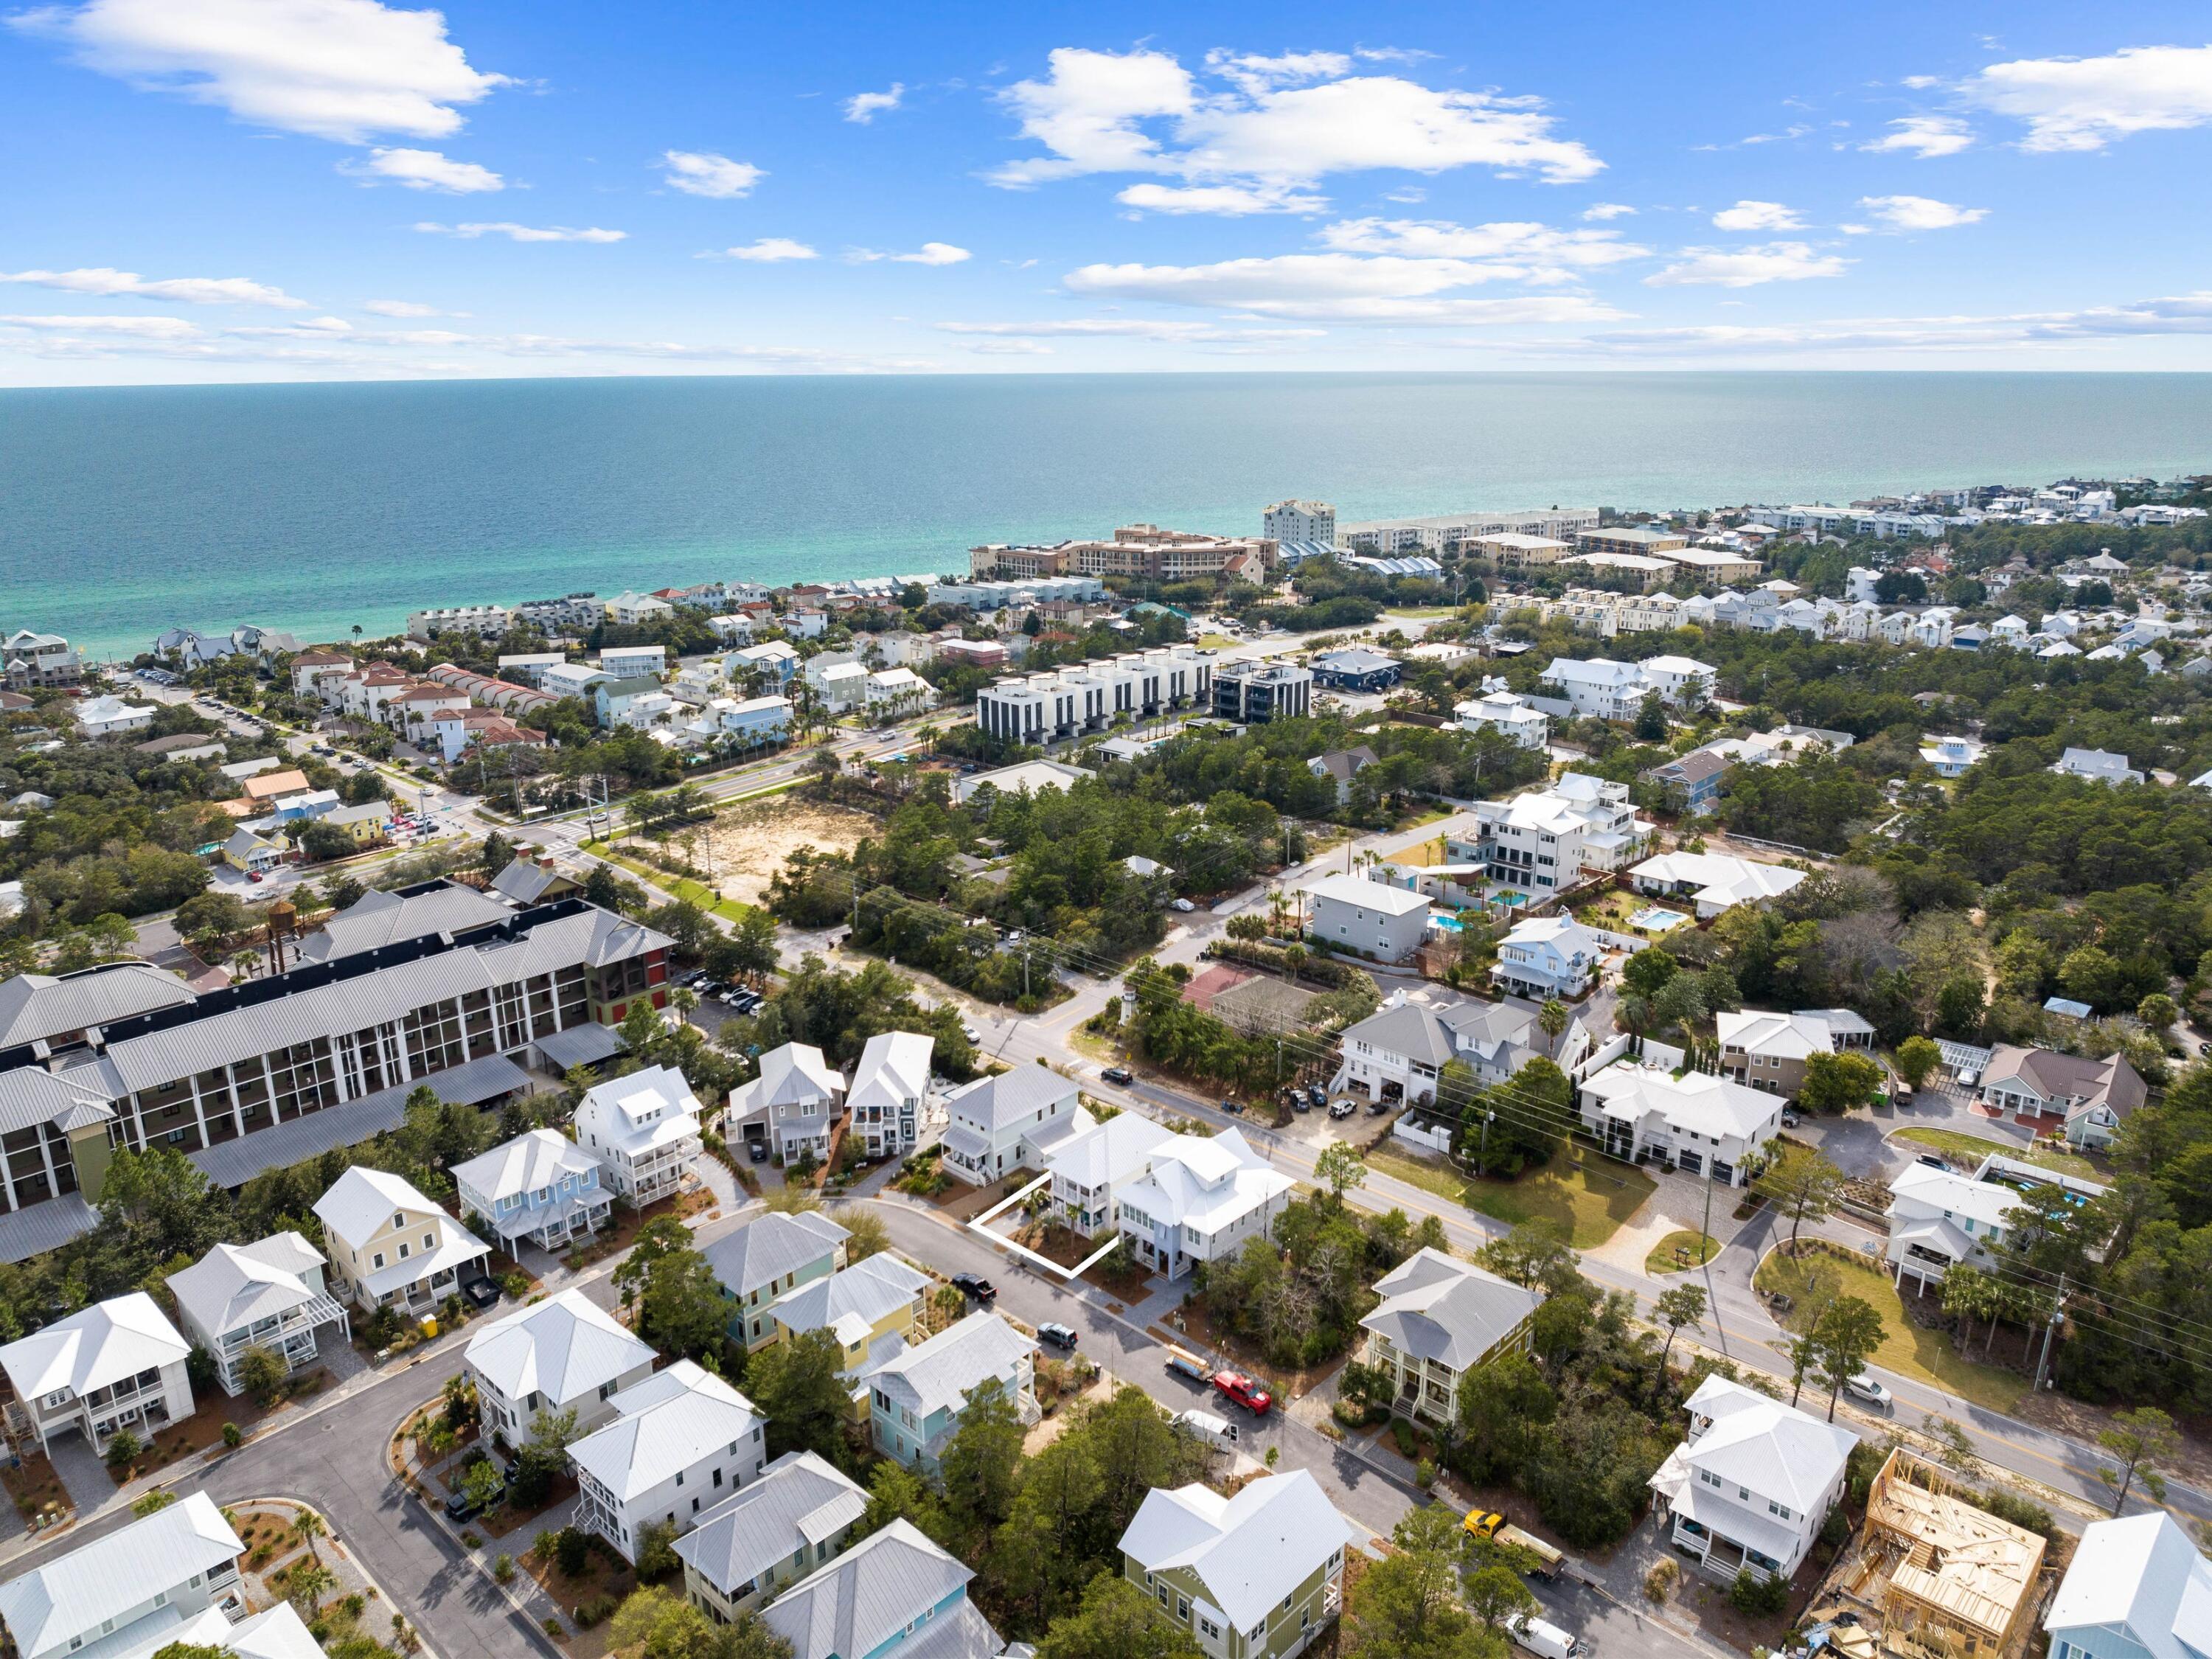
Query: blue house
[(540, 1186), (895, 1592), (917, 1397), (1698, 775), (1358, 669), (2136, 1588)]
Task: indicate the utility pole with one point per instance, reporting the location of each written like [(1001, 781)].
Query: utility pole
[(2049, 1330)]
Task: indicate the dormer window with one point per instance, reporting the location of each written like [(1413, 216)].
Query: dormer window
[(398, 1221)]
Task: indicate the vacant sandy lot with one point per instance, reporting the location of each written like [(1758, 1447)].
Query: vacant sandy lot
[(751, 840)]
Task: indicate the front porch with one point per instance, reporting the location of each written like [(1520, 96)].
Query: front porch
[(292, 1336)]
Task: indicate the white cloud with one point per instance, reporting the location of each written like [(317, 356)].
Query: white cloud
[(426, 169), (190, 290), (702, 173), (865, 107), (1341, 286), (929, 253), (1922, 83), (1010, 347), (769, 250), (1135, 328), (142, 328), (1279, 123), (1230, 201), (344, 69), (407, 308), (1758, 215), (1517, 250), (1919, 212), (2085, 103), (1608, 210), (516, 233), (1924, 136), (1747, 267)]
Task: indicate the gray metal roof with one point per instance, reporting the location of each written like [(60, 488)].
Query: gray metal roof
[(1011, 1097), (234, 1162), (799, 1500), (31, 1095), (43, 1227), (763, 1251), (1409, 1030), (866, 1596), (377, 919), (35, 1006), (1434, 1308), (580, 1045)]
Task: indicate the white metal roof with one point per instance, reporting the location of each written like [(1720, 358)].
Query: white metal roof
[(1924, 1188), (854, 1298), (99, 1344), (1371, 894), (1249, 1551), (2140, 1575), (1011, 1098), (894, 1068), (801, 1500), (1113, 1151), (75, 1594), (275, 1634), (938, 1374), (1435, 1307), (865, 1598), (362, 1199), (234, 1285), (1773, 1450), (671, 1421), (1206, 1182), (761, 1252), (638, 1112), (564, 1348), (1697, 1102), (534, 1159)]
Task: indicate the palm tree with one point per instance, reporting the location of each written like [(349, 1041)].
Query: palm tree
[(307, 1527), (308, 1586), (683, 1000), (1551, 1018)]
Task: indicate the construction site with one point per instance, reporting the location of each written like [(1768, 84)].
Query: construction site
[(1930, 1576)]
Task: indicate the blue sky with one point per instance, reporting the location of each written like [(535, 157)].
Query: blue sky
[(246, 189)]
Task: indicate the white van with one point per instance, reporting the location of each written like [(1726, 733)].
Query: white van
[(1217, 1432), (1541, 1637)]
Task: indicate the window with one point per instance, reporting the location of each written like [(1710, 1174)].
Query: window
[(377, 1260), (398, 1221), (1182, 1607), (402, 1253), (430, 1241)]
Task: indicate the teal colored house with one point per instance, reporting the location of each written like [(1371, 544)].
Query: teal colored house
[(771, 1257), (896, 1593), (917, 1397)]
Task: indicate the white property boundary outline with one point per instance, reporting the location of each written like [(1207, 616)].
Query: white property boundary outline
[(982, 1224)]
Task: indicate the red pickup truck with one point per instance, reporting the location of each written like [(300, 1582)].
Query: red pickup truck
[(1244, 1391)]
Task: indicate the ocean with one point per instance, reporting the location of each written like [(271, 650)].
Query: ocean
[(318, 507)]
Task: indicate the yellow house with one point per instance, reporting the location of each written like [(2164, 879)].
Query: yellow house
[(872, 1308), (365, 825), (246, 851), (390, 1246)]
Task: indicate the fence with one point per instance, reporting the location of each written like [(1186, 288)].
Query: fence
[(1435, 1137)]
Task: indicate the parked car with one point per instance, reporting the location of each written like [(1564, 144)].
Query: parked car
[(255, 876), (1118, 1074), (1932, 1161), (971, 1033), (1791, 1120), (1060, 1335), (1317, 1095), (1541, 1637), (756, 1151), (976, 1286), (459, 1506), (1864, 1388), (1242, 1390), (1181, 904), (1342, 1109)]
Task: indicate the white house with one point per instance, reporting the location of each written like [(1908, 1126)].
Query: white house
[(1259, 1573), (918, 1397), (1088, 1171), (1753, 1484), (2096, 765), (1716, 881), (1010, 1121), (1201, 1201), (891, 692), (1547, 957), (792, 1103), (2136, 1588), (134, 1585), (1367, 918), (1939, 1219), (1952, 757), (1698, 1123), (644, 1128), (1502, 711), (1599, 687), (111, 717), (1544, 839), (565, 1352), (1439, 1319), (799, 1513), (390, 1246), (274, 1634), (682, 1440), (268, 1294), (889, 1091), (1397, 1051), (117, 1364), (1680, 681), (540, 1186)]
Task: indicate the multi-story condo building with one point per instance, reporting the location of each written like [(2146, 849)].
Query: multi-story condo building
[(572, 613), (1299, 521), (643, 1129), (40, 659), (1545, 839), (681, 1441), (128, 1055), (1447, 532), (117, 1364), (268, 1294), (129, 1590), (985, 593), (1079, 697), (1254, 693), (1640, 539), (1139, 550), (486, 622), (1258, 1576), (1751, 1487)]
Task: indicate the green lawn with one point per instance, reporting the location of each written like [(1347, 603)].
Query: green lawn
[(1701, 1247), (674, 886), (1214, 642), (1974, 1148), (1590, 1202), (1819, 1277)]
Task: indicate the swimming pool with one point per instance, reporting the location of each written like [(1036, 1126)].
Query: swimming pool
[(1653, 919)]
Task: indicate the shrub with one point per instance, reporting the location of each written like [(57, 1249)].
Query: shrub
[(233, 1435), (553, 1627), (1659, 1583), (1836, 1530), (516, 1284), (153, 1502), (122, 1450), (503, 1569), (2008, 1506), (543, 1545), (1401, 1432), (1425, 1474), (470, 1540), (573, 1550), (1756, 1597), (594, 1608)]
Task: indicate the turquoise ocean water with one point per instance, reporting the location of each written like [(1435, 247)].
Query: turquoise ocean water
[(315, 507)]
